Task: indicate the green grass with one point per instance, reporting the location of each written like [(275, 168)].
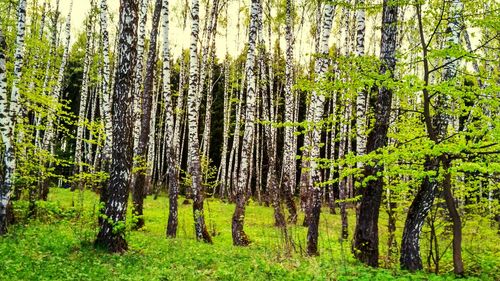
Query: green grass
[(58, 246)]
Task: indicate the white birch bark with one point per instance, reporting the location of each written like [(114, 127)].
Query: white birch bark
[(9, 110), (193, 142), (313, 137), (106, 89), (361, 96), (239, 236), (225, 133), (83, 104), (139, 69)]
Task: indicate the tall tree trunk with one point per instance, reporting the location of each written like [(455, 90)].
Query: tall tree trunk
[(212, 30), (48, 137), (147, 99), (193, 142), (361, 96), (366, 239), (272, 182), (288, 174), (458, 265), (235, 149), (138, 73), (172, 156), (223, 179), (106, 95), (239, 236), (313, 137), (78, 168), (436, 130), (343, 180), (8, 122), (112, 229)]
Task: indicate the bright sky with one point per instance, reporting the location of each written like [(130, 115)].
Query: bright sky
[(179, 38)]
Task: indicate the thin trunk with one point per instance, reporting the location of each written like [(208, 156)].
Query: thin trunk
[(49, 135), (78, 168), (140, 182), (288, 174), (344, 142), (172, 156), (106, 93), (193, 142), (225, 134)]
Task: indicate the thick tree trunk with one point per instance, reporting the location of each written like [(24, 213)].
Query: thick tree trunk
[(9, 110), (112, 228), (419, 208), (436, 130), (361, 96), (239, 236), (140, 182), (193, 142), (366, 240)]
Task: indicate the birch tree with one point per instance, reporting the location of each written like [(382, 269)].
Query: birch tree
[(172, 164), (106, 96), (288, 175), (50, 130), (115, 196), (313, 137), (9, 110), (366, 233), (239, 236), (78, 170), (147, 99), (193, 142)]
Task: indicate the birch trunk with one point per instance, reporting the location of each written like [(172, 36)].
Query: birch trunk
[(361, 96), (106, 95), (313, 137), (139, 70), (239, 236), (173, 166), (12, 108), (140, 183), (78, 168), (366, 239), (48, 137), (225, 135), (112, 229), (193, 142), (288, 174)]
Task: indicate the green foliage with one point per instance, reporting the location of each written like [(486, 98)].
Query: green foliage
[(59, 247)]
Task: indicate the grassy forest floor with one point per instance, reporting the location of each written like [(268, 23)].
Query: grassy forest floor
[(58, 246)]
